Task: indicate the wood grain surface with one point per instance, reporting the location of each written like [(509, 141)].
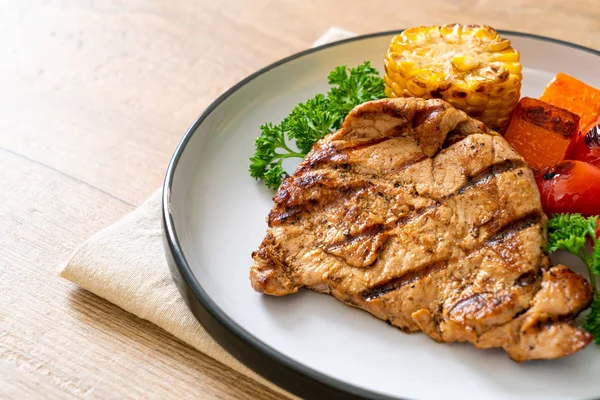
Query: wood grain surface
[(95, 97)]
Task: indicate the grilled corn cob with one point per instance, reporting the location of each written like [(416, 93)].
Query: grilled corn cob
[(470, 66)]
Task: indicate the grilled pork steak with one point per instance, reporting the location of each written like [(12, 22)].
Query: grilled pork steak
[(421, 216)]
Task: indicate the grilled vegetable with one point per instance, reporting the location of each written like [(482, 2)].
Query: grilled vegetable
[(586, 146), (570, 187), (541, 133), (570, 93), (471, 67)]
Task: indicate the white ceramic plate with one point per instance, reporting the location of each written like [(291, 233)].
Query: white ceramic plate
[(309, 343)]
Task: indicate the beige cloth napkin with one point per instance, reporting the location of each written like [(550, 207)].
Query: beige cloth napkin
[(125, 264)]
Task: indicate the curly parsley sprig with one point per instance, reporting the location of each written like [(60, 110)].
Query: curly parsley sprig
[(592, 323), (310, 121), (570, 232)]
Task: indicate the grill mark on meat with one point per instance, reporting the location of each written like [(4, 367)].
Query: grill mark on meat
[(393, 133), (377, 229), (509, 231), (483, 177), (487, 175), (309, 180), (366, 233), (514, 227), (329, 154), (505, 232), (278, 218), (403, 280), (327, 181), (418, 213), (475, 301), (486, 300), (285, 199), (364, 144), (525, 279)]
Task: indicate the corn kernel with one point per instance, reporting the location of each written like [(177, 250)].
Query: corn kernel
[(505, 56), (476, 99), (495, 47), (405, 69), (514, 68), (510, 95), (464, 63), (397, 88), (494, 103), (413, 34), (489, 113), (459, 103), (415, 88), (498, 90), (504, 113), (481, 87), (454, 30), (513, 82), (503, 76)]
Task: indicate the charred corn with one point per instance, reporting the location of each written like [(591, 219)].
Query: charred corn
[(470, 66)]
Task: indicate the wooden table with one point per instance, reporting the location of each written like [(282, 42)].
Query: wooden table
[(95, 97)]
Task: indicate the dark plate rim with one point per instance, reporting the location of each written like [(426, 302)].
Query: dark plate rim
[(254, 353)]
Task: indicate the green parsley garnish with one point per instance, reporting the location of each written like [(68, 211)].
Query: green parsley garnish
[(592, 323), (310, 121), (570, 232)]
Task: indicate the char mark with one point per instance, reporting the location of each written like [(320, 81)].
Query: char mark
[(330, 189), (381, 229), (544, 117), (418, 213), (276, 218), (513, 228), (324, 155), (412, 276), (487, 175), (479, 179), (403, 280), (358, 144), (475, 303), (365, 234)]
